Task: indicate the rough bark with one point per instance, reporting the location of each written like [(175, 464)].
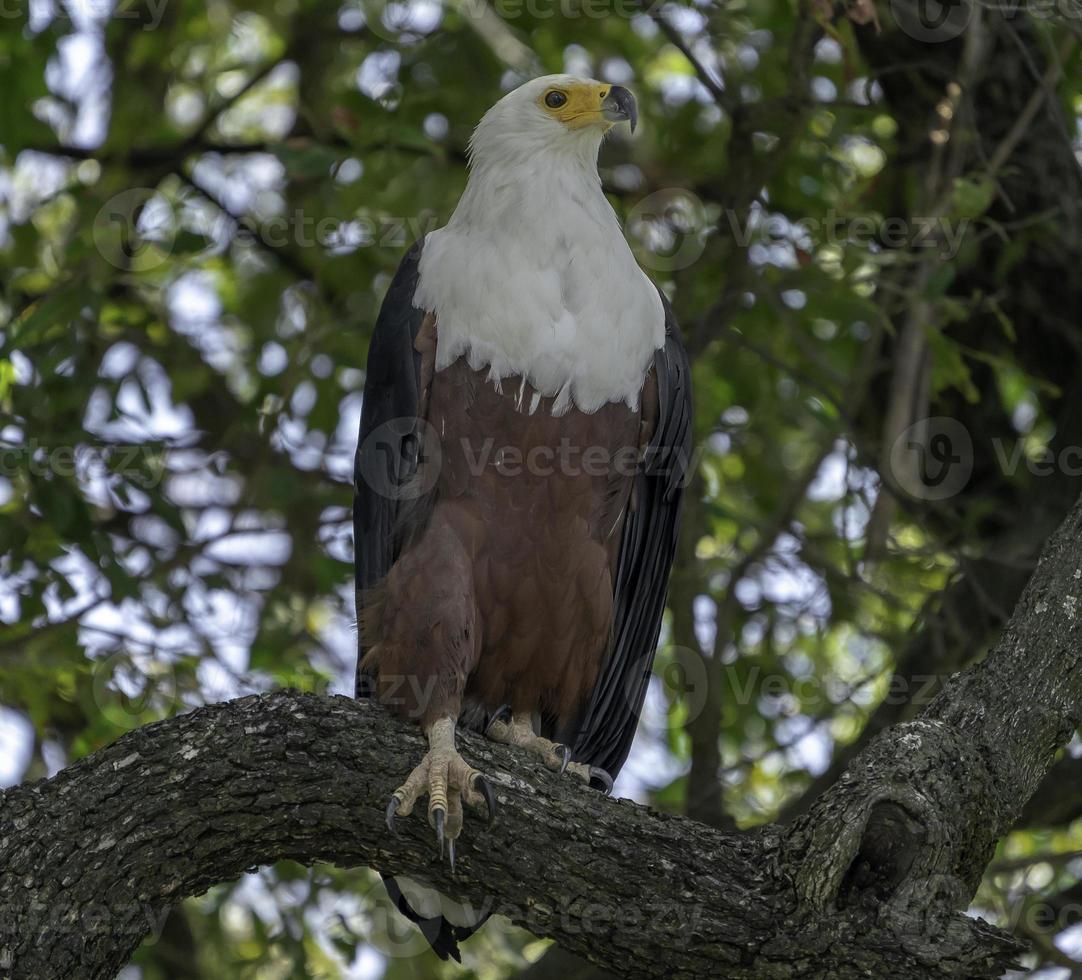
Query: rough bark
[(92, 859), (865, 884)]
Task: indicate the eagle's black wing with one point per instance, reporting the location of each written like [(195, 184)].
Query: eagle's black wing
[(389, 449), (642, 574), (389, 443)]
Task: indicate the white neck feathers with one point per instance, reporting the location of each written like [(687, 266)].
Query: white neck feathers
[(532, 275)]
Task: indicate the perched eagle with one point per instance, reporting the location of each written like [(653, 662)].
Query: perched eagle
[(525, 436)]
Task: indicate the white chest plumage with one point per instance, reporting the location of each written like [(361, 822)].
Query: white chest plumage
[(532, 276)]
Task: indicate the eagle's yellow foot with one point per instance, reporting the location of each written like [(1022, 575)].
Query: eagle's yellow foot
[(448, 780), (519, 731)]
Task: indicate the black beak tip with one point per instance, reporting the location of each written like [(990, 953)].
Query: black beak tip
[(623, 102)]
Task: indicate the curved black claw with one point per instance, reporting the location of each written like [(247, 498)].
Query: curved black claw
[(490, 797), (391, 808), (566, 759), (502, 713), (438, 816), (451, 854), (602, 777)]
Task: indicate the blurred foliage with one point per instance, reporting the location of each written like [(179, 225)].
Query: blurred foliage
[(201, 205)]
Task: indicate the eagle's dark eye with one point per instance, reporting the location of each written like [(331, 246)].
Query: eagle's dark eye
[(555, 99)]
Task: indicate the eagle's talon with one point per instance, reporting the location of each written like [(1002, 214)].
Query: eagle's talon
[(589, 774), (566, 759), (602, 777), (447, 780), (502, 715), (482, 784), (438, 818), (451, 854)]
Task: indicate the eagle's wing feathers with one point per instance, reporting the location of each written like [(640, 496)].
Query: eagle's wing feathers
[(642, 573), (388, 445)]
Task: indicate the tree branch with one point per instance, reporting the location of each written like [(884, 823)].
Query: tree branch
[(868, 883), (91, 859)]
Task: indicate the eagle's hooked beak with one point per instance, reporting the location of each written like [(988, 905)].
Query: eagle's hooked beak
[(619, 104)]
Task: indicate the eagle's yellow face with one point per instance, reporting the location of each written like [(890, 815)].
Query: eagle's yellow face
[(580, 104)]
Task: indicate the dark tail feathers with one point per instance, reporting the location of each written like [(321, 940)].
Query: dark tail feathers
[(442, 935)]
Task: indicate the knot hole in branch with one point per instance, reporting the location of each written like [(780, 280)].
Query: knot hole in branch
[(891, 842)]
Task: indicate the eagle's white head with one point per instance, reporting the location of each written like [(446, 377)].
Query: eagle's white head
[(553, 115), (532, 276)]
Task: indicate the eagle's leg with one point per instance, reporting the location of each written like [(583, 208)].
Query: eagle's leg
[(423, 645), (448, 780), (519, 731)]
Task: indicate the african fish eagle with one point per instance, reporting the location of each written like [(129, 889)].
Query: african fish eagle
[(524, 442)]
